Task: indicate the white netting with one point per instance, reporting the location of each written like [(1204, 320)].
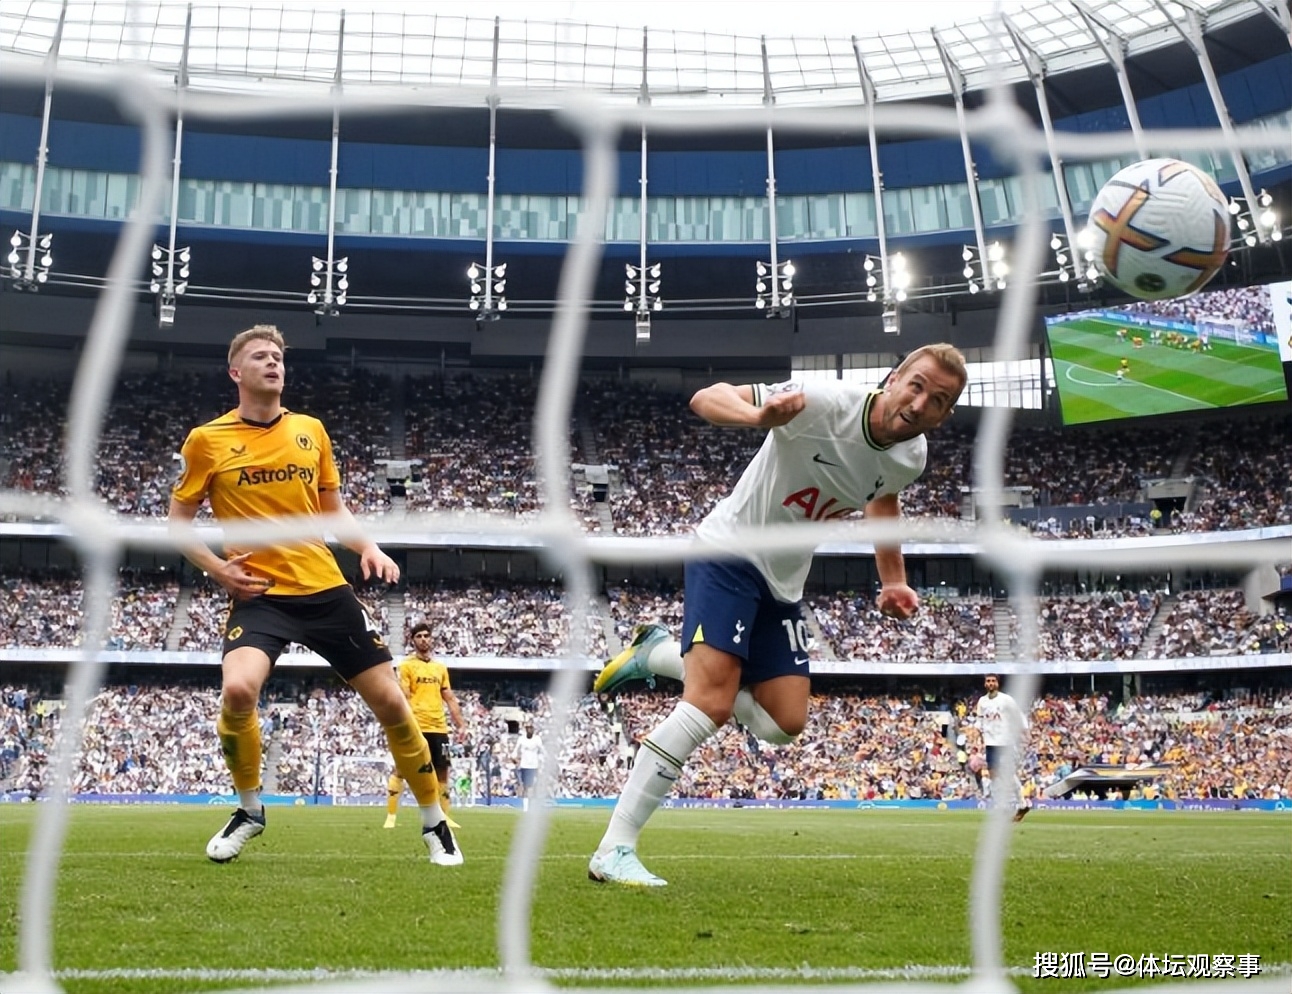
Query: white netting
[(100, 538)]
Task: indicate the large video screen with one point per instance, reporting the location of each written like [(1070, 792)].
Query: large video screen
[(1215, 349)]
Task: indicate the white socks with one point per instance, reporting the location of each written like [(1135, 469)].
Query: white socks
[(659, 763), (665, 659), (751, 714), (249, 801)]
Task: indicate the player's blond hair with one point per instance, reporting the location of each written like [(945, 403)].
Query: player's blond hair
[(256, 333), (945, 355)]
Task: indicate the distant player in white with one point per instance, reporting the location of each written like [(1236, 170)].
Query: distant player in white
[(529, 757), (1003, 725), (832, 449)]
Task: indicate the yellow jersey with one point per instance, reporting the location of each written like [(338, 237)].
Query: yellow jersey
[(424, 682), (255, 471)]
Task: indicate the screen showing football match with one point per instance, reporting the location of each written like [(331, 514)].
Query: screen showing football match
[(1215, 349)]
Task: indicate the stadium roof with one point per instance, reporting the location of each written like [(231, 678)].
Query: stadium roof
[(235, 47)]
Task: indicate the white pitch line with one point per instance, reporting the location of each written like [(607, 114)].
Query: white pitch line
[(912, 971)]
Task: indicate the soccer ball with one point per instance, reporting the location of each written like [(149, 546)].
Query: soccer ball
[(1158, 229)]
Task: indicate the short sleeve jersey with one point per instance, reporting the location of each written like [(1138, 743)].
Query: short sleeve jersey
[(424, 682), (252, 471), (823, 465), (999, 716)]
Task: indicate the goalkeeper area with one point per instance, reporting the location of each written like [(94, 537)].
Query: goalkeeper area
[(756, 896)]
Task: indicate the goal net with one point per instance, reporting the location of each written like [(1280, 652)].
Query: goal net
[(146, 94)]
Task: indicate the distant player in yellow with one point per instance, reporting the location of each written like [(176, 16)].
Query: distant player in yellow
[(425, 682), (1123, 368), (261, 461)]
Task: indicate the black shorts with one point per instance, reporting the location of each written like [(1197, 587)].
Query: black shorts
[(332, 623), (439, 743)]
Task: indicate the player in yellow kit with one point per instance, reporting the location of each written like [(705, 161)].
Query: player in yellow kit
[(261, 461), (425, 682)]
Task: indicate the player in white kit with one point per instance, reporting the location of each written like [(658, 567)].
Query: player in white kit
[(1002, 724), (832, 449)]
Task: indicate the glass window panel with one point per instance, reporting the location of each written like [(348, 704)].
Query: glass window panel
[(897, 212), (310, 209), (120, 195), (994, 202), (54, 193), (859, 211), (235, 204), (1049, 196), (273, 207), (955, 201), (17, 186), (825, 216), (194, 201), (928, 209), (623, 223), (791, 218)]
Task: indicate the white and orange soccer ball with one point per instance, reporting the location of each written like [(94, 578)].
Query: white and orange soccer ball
[(1158, 229)]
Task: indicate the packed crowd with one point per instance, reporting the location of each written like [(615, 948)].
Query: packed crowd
[(959, 630), (668, 468), (45, 610), (530, 620), (900, 745), (471, 439), (493, 619), (1248, 304), (1218, 623), (1095, 626)]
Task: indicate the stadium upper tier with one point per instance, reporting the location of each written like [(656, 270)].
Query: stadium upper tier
[(250, 48), (409, 147)]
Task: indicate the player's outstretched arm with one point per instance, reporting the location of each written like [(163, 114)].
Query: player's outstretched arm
[(372, 561), (896, 598), (731, 406)]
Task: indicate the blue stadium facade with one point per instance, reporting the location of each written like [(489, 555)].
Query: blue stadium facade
[(413, 209)]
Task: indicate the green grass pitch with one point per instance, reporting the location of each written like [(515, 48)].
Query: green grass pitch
[(774, 897), (1162, 380)]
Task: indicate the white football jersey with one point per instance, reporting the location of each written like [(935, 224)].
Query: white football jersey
[(529, 751), (998, 717), (822, 465)]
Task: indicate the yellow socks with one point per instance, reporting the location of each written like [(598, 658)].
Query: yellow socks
[(413, 761), (240, 743)]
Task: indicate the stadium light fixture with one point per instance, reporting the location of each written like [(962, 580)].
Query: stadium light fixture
[(329, 285), (1254, 221), (874, 271), (29, 275), (488, 290), (641, 294), (169, 280), (774, 288)]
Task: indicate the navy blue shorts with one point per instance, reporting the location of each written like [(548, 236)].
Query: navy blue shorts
[(728, 606)]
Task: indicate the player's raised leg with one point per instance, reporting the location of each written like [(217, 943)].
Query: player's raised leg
[(651, 653)]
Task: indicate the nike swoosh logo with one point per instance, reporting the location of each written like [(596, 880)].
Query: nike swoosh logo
[(823, 462), (800, 662), (665, 776)]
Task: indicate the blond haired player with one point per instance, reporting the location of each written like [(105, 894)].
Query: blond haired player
[(425, 682), (261, 461)]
